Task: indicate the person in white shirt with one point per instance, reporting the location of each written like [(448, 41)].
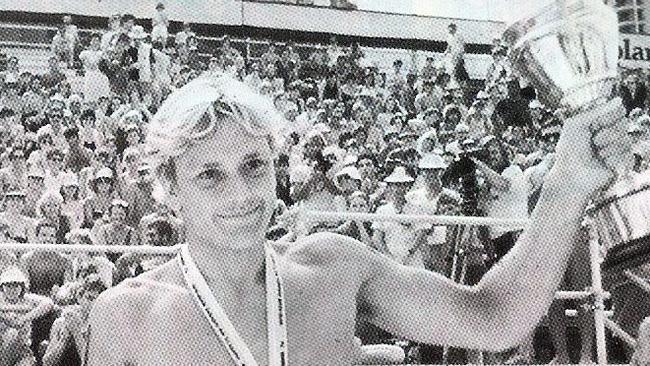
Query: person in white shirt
[(396, 239), (160, 22), (432, 239)]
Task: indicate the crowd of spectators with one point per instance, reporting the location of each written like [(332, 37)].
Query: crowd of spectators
[(415, 140)]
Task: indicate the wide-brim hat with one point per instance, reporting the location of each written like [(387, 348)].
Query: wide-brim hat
[(399, 175), (432, 161)]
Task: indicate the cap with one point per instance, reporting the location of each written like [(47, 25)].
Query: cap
[(13, 275), (350, 171), (399, 175), (104, 173), (432, 161)]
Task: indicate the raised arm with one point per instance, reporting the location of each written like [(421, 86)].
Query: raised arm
[(511, 298)]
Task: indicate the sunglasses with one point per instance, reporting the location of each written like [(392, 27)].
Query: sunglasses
[(16, 157), (104, 180)]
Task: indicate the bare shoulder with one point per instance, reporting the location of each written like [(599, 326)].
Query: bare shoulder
[(130, 304), (325, 249)]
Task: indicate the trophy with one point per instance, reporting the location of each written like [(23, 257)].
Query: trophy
[(569, 53)]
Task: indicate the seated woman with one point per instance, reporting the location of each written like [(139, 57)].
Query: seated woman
[(19, 309)]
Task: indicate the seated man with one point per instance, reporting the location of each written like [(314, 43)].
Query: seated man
[(213, 146), (18, 309)]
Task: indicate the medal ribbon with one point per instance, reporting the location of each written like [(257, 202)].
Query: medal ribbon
[(221, 324)]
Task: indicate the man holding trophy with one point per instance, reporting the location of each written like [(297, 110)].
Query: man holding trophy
[(325, 282)]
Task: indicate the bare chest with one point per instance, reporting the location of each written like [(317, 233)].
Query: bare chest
[(321, 314)]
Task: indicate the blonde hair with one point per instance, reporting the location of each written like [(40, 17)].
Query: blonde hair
[(195, 111)]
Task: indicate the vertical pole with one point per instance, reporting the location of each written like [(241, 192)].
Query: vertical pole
[(598, 293)]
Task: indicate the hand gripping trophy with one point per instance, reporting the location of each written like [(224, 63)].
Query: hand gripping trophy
[(569, 53)]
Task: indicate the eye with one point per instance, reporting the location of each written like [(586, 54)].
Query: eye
[(210, 176), (256, 166)]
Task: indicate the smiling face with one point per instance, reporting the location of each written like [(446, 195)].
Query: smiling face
[(225, 186)]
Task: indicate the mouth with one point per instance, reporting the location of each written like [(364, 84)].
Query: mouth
[(241, 214)]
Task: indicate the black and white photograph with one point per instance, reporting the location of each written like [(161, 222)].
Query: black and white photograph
[(324, 182)]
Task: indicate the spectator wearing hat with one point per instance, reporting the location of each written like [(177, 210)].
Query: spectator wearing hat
[(34, 190), (432, 239), (116, 231), (394, 238), (103, 192), (20, 227), (72, 205), (634, 93), (69, 333), (16, 328)]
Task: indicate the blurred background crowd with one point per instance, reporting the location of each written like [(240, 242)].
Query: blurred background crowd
[(411, 140)]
